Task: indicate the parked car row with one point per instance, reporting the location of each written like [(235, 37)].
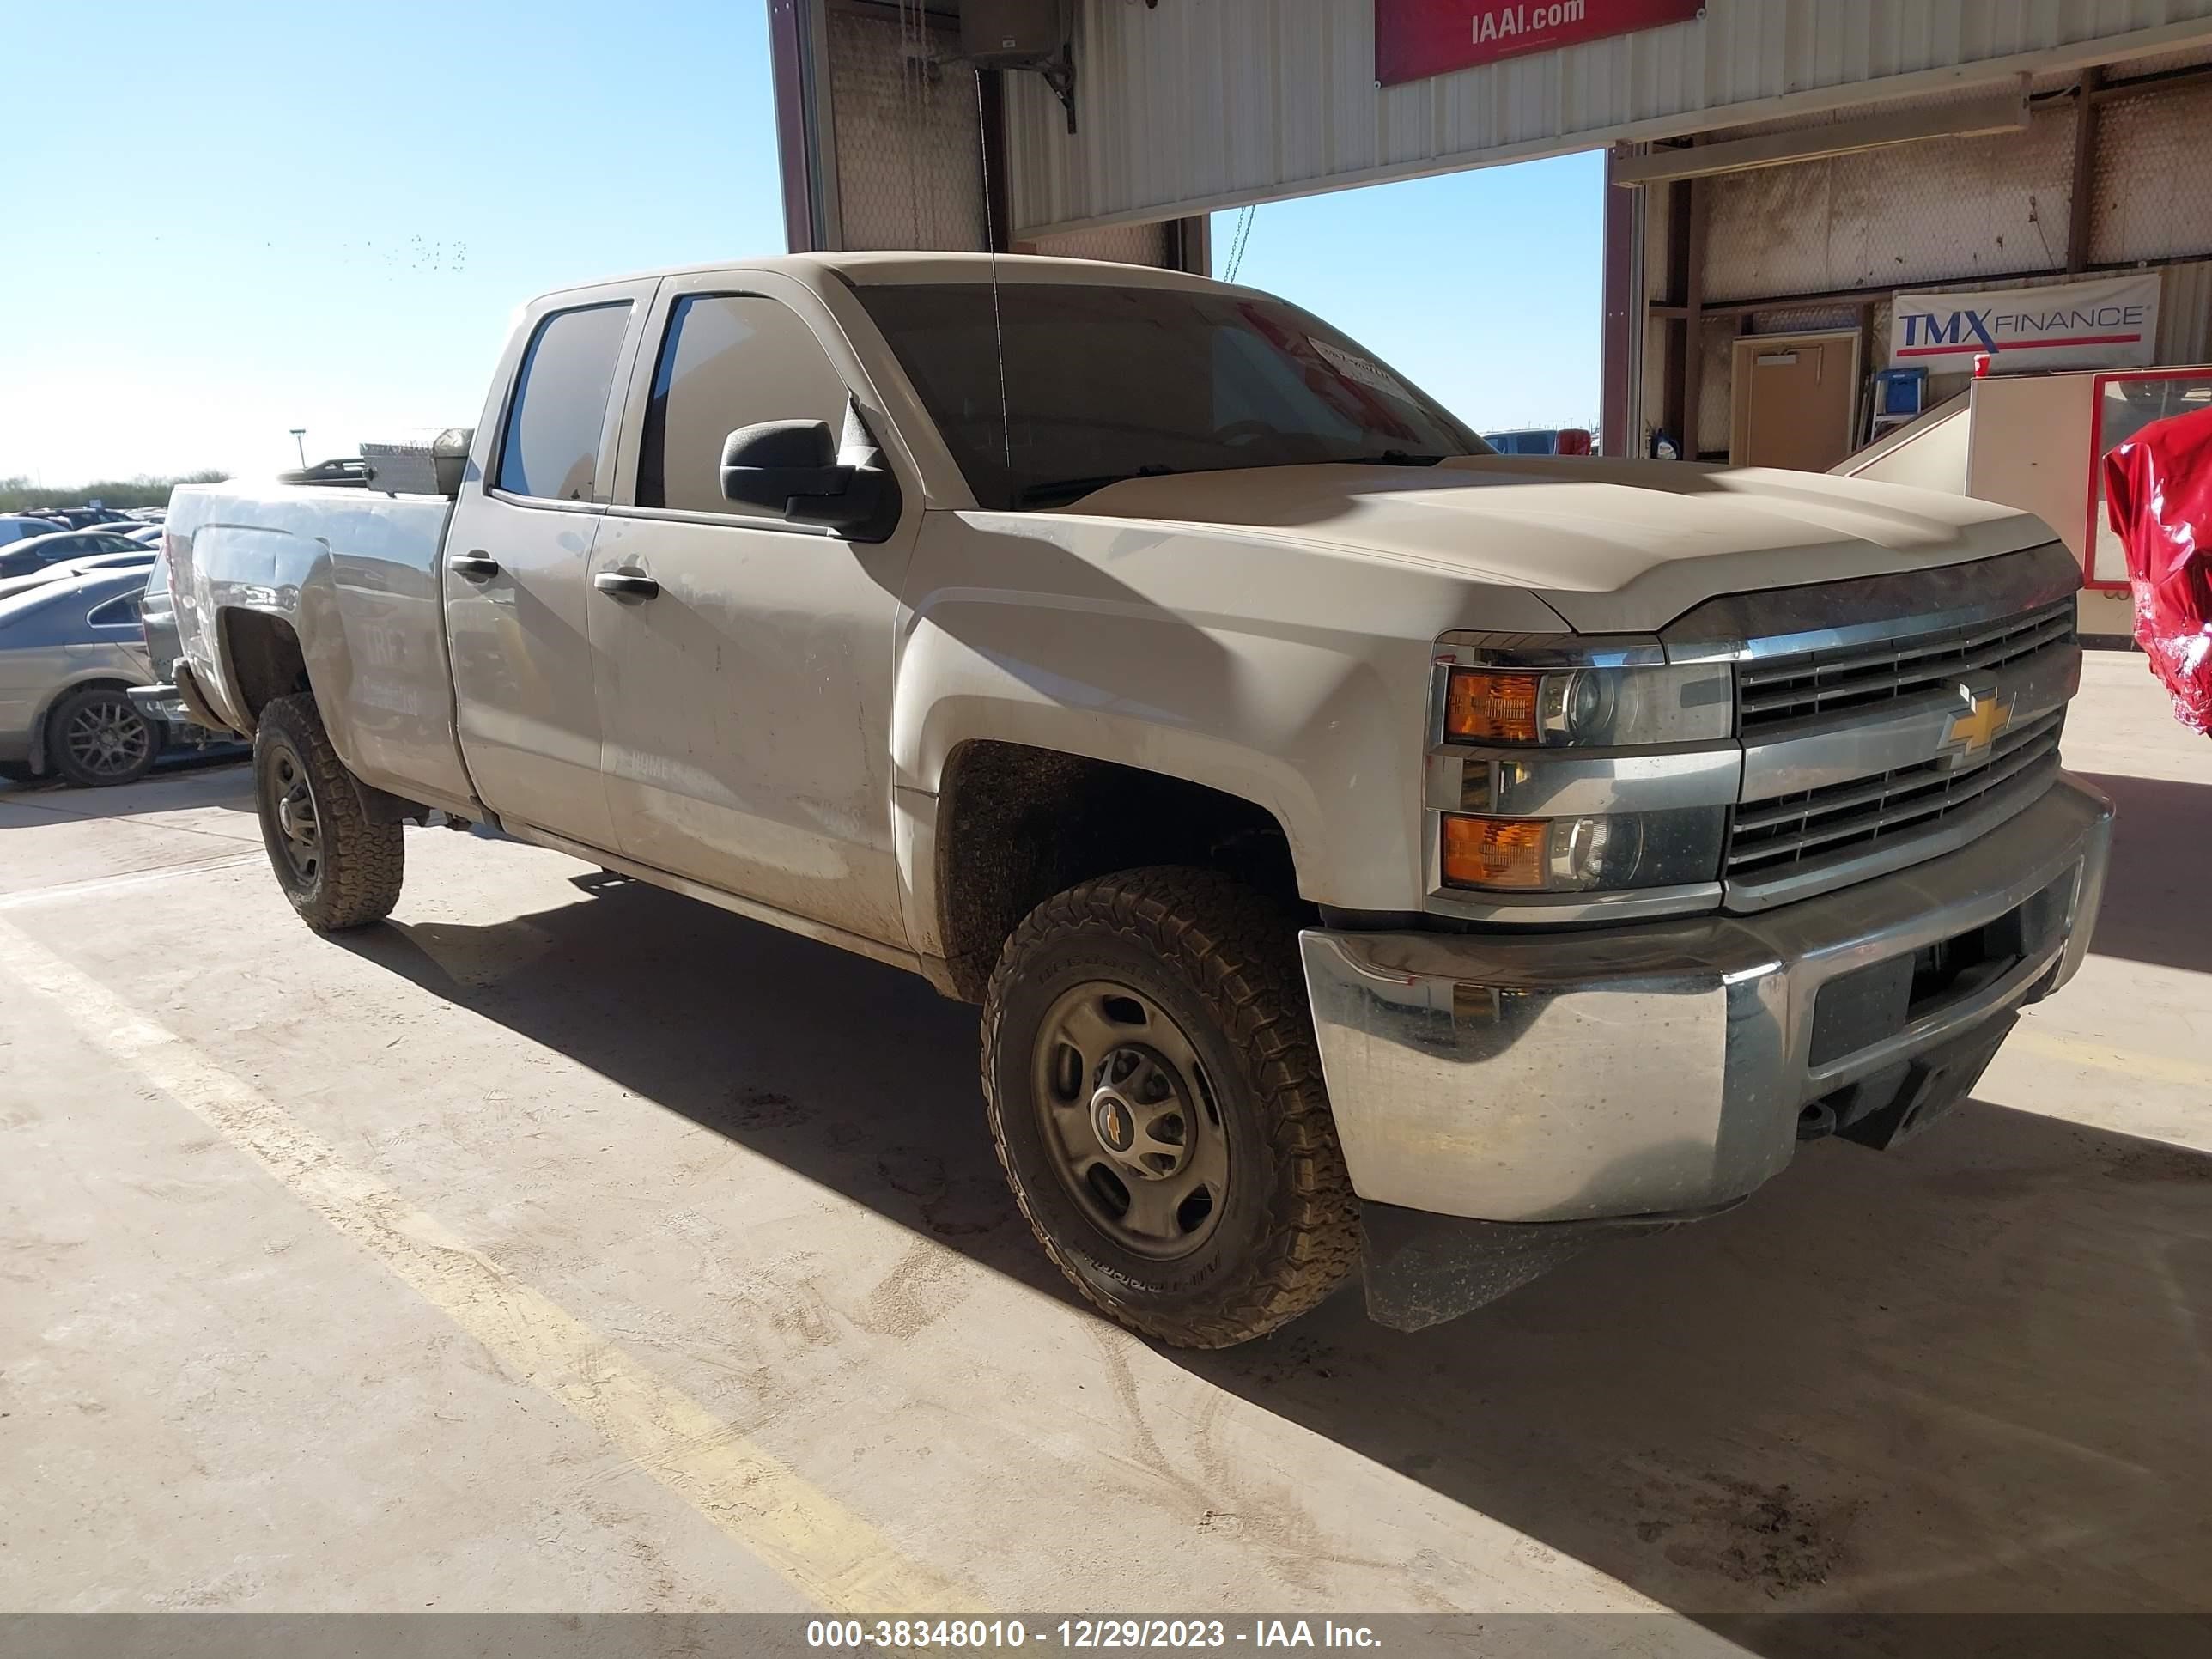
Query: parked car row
[(30, 553), (73, 634), (1543, 441), (44, 521)]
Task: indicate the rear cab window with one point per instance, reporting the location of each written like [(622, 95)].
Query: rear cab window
[(549, 445)]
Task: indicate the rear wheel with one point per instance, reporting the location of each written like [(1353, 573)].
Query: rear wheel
[(1157, 1101), (97, 737), (338, 866)]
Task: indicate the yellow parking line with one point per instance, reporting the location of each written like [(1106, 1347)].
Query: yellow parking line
[(2132, 1062), (830, 1555)]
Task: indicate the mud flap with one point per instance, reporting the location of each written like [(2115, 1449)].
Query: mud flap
[(1419, 1269)]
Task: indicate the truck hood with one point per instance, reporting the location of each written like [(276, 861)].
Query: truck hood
[(1611, 545)]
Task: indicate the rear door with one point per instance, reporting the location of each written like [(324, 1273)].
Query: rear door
[(746, 702), (516, 558)]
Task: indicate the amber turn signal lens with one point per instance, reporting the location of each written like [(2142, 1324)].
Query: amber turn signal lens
[(1495, 852), (1480, 706)]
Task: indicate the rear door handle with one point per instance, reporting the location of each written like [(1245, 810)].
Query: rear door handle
[(626, 584), (477, 565)]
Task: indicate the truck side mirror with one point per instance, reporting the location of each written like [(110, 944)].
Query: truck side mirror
[(791, 469), (449, 458)]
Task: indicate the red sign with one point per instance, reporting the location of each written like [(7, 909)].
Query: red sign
[(1416, 39)]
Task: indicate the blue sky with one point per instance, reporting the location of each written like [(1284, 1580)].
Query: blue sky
[(256, 217)]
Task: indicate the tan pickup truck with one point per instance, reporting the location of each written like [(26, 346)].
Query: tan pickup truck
[(1365, 848)]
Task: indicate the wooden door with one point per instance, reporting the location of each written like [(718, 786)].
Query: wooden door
[(1795, 398)]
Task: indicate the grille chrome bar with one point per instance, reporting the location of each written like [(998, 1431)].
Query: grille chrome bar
[(1794, 830), (1822, 682)]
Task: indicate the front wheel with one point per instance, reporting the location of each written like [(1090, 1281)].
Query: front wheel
[(339, 867), (1157, 1101)]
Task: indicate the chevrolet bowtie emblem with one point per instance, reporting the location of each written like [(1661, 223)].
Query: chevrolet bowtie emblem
[(1987, 714)]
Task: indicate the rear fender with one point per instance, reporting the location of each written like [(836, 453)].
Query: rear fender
[(352, 578)]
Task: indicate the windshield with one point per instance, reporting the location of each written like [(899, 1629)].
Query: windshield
[(1105, 383)]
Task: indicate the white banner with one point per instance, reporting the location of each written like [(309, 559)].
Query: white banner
[(2111, 323)]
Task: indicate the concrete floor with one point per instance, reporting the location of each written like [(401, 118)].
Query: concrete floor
[(568, 1246)]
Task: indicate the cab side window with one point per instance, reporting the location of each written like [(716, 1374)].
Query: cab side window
[(550, 448), (728, 360)]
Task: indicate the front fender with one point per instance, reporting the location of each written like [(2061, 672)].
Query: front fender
[(1291, 676)]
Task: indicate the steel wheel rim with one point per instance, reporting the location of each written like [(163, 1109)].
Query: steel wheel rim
[(1130, 1120), (289, 805), (107, 738)]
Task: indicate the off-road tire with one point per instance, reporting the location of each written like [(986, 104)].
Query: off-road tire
[(358, 879), (1221, 960)]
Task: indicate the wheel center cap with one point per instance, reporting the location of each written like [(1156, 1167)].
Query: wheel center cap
[(1116, 1125)]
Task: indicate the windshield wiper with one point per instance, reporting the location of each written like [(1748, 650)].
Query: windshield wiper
[(1069, 489), (1397, 458)]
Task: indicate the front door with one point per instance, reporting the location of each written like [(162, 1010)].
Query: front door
[(516, 564), (743, 665)]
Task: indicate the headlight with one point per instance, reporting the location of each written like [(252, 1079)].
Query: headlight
[(1594, 708), (1604, 852), (1569, 772)]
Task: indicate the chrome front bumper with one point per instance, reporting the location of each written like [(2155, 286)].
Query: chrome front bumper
[(1660, 1067)]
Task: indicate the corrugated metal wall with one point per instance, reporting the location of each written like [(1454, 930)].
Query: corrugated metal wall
[(1203, 103)]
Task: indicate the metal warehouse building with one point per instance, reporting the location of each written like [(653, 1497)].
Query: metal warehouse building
[(1815, 207)]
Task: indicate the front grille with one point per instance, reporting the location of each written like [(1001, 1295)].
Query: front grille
[(1848, 676), (1789, 832)]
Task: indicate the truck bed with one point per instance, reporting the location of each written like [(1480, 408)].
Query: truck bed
[(365, 566)]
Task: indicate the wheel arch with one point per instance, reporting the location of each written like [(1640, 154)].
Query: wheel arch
[(259, 658), (1013, 824)]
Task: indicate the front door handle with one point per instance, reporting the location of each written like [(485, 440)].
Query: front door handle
[(626, 584), (477, 565)]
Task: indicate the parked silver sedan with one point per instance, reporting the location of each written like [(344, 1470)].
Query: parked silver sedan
[(69, 650)]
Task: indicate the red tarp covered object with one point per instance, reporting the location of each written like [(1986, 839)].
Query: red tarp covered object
[(2158, 494)]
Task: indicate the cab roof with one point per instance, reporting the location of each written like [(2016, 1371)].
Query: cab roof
[(870, 269)]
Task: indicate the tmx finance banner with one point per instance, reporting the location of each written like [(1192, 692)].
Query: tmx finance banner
[(1416, 38), (2110, 324)]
